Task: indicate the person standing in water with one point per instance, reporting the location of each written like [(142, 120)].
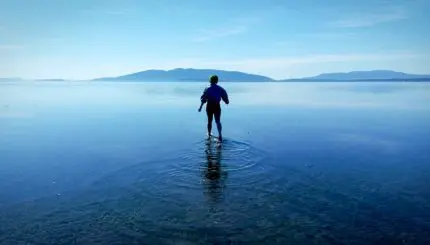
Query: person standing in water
[(213, 95)]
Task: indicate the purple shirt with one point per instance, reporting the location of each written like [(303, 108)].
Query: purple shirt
[(213, 95)]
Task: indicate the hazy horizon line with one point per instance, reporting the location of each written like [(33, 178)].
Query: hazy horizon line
[(214, 69)]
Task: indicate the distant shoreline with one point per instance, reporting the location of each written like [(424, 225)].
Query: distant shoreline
[(191, 81), (202, 75)]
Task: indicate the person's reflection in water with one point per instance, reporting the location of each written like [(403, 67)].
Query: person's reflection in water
[(213, 176)]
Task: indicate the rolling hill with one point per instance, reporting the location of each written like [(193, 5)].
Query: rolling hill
[(188, 75)]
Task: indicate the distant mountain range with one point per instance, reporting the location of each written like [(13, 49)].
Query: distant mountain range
[(375, 75), (235, 76), (199, 75), (188, 75)]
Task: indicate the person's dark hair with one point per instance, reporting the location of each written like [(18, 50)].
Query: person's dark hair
[(213, 79)]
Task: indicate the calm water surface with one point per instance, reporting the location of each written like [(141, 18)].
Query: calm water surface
[(128, 163)]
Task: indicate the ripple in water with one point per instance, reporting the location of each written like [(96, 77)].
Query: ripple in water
[(236, 161), (188, 190), (205, 188)]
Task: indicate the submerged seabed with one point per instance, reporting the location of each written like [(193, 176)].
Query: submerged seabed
[(112, 163)]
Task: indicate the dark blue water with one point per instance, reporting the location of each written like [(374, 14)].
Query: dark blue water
[(128, 163)]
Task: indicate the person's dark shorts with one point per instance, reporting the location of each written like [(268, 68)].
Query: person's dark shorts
[(213, 110)]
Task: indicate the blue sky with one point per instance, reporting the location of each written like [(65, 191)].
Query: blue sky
[(85, 39)]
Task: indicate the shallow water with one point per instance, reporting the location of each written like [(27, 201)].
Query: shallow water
[(128, 163)]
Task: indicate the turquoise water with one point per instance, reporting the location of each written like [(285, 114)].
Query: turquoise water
[(128, 163)]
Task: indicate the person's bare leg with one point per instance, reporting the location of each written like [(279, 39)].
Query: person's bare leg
[(218, 124), (210, 119)]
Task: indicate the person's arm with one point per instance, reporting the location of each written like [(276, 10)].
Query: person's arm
[(203, 99), (224, 96), (201, 105)]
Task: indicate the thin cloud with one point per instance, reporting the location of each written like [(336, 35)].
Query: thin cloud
[(11, 47), (207, 35), (367, 20), (330, 35), (314, 59), (247, 20), (117, 12), (238, 25), (10, 114)]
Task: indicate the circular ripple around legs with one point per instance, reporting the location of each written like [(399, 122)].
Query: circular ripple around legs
[(237, 161), (183, 193)]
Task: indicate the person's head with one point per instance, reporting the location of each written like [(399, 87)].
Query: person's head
[(213, 79)]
